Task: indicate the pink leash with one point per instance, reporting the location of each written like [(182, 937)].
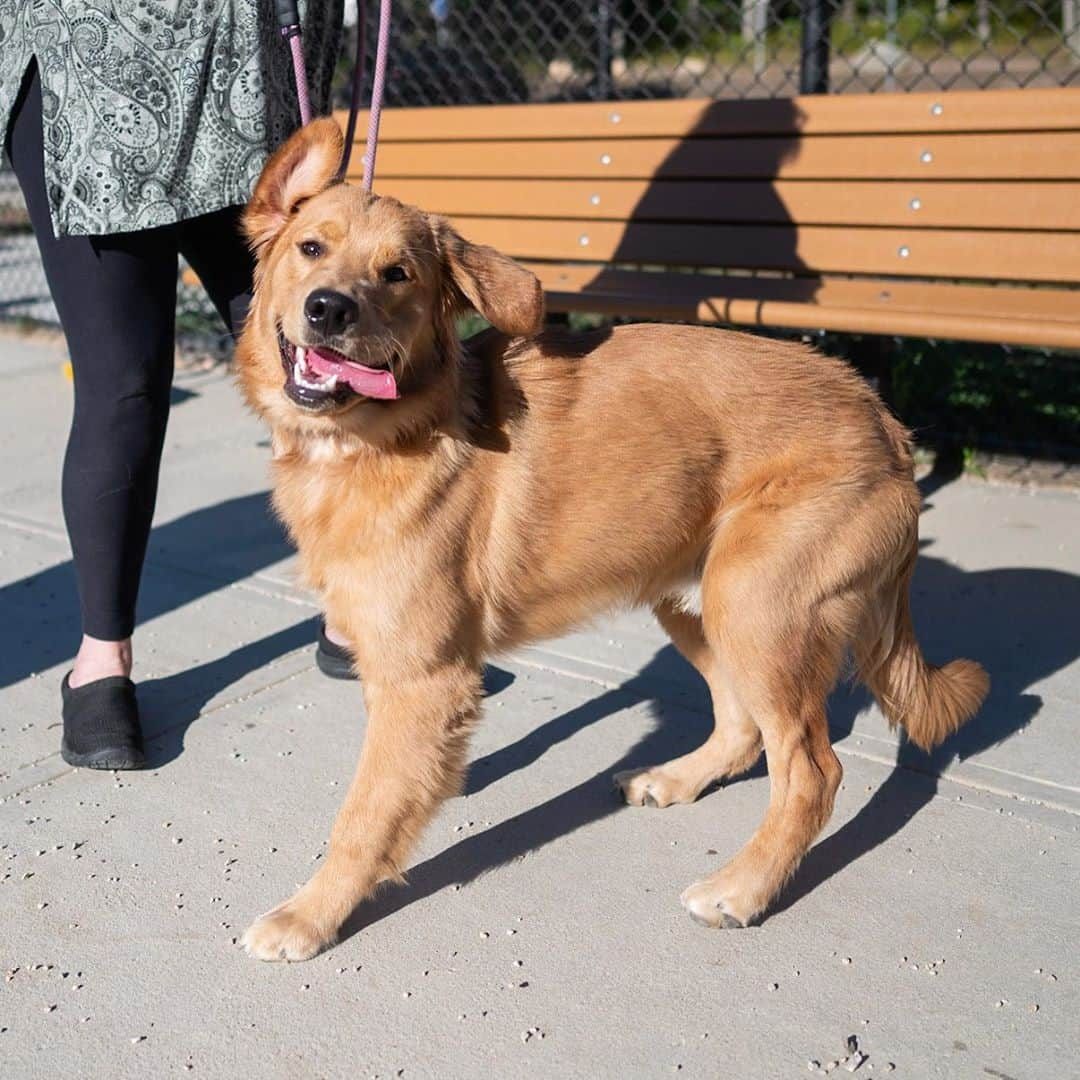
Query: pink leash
[(371, 148), (289, 21), (292, 35)]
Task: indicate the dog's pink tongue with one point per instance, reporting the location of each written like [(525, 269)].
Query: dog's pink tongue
[(371, 382)]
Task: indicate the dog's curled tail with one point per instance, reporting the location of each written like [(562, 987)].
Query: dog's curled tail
[(929, 702)]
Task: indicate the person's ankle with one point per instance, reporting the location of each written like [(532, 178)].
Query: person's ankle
[(336, 636), (99, 659)]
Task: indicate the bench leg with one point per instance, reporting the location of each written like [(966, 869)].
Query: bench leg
[(873, 356)]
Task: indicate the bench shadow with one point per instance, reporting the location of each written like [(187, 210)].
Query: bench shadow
[(1019, 622)]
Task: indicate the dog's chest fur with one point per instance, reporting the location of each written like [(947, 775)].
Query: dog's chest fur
[(374, 530)]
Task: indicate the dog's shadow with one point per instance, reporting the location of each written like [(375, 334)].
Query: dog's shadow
[(1020, 623), (677, 730)]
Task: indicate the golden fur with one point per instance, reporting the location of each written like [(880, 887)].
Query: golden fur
[(526, 481)]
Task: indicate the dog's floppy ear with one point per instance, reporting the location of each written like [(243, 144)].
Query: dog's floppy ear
[(506, 294), (301, 168)]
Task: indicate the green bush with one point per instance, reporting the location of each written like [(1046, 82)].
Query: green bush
[(984, 395)]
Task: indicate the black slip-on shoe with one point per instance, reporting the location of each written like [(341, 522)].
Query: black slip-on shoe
[(334, 661), (101, 724)]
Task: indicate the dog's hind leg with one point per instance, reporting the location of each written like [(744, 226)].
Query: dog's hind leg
[(731, 749), (780, 619), (413, 758)]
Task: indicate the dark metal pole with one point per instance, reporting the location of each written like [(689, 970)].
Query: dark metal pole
[(814, 72), (602, 86)]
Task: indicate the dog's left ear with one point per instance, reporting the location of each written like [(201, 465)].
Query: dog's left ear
[(506, 294), (301, 168)]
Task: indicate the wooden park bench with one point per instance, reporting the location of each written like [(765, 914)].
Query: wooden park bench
[(949, 215)]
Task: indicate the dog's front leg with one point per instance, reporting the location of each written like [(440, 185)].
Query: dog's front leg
[(413, 758)]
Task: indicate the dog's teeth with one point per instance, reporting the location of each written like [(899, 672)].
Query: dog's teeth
[(301, 356), (326, 384)]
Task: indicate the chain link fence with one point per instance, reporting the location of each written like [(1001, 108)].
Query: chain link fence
[(455, 52), (452, 52)]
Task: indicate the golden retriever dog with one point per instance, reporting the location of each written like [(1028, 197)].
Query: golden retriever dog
[(452, 501)]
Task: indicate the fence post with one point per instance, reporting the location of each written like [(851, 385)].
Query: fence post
[(1070, 24), (814, 69), (601, 81)]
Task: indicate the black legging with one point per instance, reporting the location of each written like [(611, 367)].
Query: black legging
[(116, 297)]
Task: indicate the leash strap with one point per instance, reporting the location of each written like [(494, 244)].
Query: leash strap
[(292, 35), (357, 87), (377, 85), (288, 18)]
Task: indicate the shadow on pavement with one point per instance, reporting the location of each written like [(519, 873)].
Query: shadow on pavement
[(172, 704), (226, 542), (1019, 622)]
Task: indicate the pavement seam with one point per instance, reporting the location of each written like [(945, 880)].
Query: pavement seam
[(34, 528), (985, 789)]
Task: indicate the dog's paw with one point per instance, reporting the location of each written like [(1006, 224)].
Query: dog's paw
[(653, 787), (285, 934), (710, 904)]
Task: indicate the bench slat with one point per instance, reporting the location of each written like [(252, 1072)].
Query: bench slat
[(973, 313), (929, 252), (944, 204), (1048, 156), (979, 110), (876, 293)]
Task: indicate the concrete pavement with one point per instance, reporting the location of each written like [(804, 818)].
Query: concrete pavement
[(540, 933)]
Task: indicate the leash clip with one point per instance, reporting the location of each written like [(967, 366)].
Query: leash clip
[(288, 17)]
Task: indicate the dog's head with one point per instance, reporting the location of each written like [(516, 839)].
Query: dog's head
[(352, 325)]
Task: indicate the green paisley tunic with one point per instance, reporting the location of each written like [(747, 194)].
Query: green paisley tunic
[(158, 110)]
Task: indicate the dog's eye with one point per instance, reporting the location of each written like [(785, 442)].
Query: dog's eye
[(311, 249), (395, 273)]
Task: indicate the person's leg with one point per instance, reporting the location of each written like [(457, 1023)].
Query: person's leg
[(116, 298), (218, 253)]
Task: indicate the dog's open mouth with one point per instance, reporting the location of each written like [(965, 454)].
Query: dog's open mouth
[(318, 378)]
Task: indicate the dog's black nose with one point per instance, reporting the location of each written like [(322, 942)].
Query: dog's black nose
[(330, 312)]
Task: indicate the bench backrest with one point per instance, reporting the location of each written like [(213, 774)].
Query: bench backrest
[(978, 185)]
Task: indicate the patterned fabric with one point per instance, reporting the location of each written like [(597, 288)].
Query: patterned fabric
[(158, 110)]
